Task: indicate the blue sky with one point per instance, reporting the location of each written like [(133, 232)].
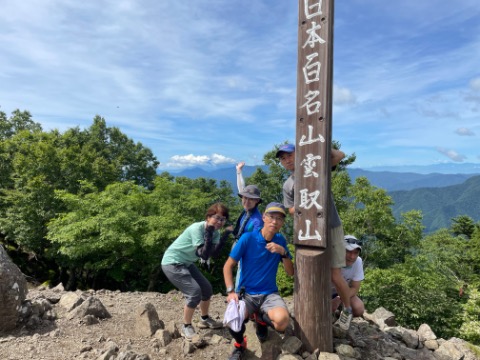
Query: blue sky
[(214, 82)]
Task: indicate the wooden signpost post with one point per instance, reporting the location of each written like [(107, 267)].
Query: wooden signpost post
[(312, 293)]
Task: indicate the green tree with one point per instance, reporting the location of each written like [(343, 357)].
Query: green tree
[(416, 292), (470, 329), (19, 121), (463, 225), (120, 234), (38, 163), (455, 256)]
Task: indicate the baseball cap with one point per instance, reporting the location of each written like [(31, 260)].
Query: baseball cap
[(251, 192), (287, 148), (275, 207), (352, 243)]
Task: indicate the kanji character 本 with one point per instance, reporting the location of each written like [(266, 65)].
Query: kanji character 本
[(307, 200), (313, 37), (307, 235), (309, 164)]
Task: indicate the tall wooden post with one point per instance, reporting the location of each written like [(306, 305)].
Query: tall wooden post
[(312, 293)]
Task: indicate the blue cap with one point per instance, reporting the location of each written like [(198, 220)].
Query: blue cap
[(285, 148), (275, 207)]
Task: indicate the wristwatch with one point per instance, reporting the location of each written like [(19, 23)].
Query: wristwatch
[(230, 289)]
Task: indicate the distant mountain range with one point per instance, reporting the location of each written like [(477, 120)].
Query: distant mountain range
[(440, 204), (388, 180), (444, 168), (439, 196), (393, 181)]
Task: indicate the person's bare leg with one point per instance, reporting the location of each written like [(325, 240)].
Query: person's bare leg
[(279, 317), (342, 287), (188, 314), (358, 308), (204, 307)]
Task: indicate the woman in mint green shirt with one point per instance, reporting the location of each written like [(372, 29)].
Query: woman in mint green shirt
[(201, 240)]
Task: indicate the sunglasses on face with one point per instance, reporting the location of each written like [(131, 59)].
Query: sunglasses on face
[(354, 241)]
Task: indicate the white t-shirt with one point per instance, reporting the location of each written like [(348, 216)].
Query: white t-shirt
[(352, 273)]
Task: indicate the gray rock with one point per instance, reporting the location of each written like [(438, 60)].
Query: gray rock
[(448, 351), (70, 301), (91, 306), (328, 356), (90, 320), (292, 345), (147, 321), (164, 337), (346, 350), (425, 333), (288, 357), (465, 348), (188, 348), (173, 329), (126, 355), (382, 317), (13, 288), (431, 344)]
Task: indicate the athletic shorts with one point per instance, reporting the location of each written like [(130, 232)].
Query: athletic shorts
[(263, 303)]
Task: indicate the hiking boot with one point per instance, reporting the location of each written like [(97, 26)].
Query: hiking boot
[(344, 320), (209, 323), (239, 350), (188, 332), (261, 328)]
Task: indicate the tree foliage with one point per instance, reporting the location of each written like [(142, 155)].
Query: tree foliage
[(89, 209), (121, 233), (416, 292), (463, 225), (35, 164)]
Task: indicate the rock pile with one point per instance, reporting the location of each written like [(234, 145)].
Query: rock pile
[(144, 326)]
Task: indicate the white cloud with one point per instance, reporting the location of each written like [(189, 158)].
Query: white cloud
[(452, 154), (218, 159), (343, 96), (190, 160), (464, 132), (475, 84)]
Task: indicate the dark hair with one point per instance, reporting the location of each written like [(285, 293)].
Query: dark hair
[(217, 208)]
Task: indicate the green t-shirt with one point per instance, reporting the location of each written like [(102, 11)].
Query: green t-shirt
[(182, 250)]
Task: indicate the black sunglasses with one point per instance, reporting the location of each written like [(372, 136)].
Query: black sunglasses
[(354, 241)]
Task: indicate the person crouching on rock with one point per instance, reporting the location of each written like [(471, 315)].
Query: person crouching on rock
[(260, 252), (200, 240)]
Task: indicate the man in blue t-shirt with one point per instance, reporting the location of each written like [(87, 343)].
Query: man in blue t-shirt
[(261, 252)]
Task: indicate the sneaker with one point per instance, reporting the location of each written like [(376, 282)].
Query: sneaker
[(344, 320), (188, 332), (336, 315), (239, 350), (209, 323), (261, 328)]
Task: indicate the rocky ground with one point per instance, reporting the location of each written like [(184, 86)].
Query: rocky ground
[(63, 337), (111, 325)]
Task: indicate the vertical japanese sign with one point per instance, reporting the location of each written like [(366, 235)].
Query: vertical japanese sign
[(313, 129)]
